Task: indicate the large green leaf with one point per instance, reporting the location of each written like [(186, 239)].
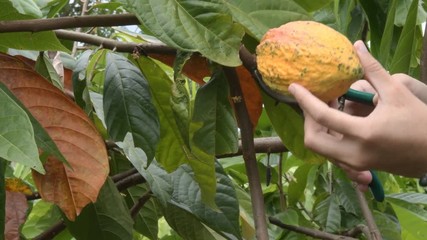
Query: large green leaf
[(24, 9), (107, 218), (388, 225), (402, 57), (259, 16), (128, 106), (42, 216), (414, 198), (170, 150), (289, 125), (81, 94), (202, 26), (186, 224), (218, 133), (17, 140), (43, 140), (174, 150), (2, 197), (376, 18), (298, 185), (387, 37), (146, 221), (157, 178), (224, 220), (311, 5), (327, 212), (413, 227), (403, 7)]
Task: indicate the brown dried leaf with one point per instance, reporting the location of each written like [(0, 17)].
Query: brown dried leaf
[(71, 130), (16, 213)]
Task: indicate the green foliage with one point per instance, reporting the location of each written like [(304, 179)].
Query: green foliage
[(172, 130)]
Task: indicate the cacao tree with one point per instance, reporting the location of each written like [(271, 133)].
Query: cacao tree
[(141, 119)]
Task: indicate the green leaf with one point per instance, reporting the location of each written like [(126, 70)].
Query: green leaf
[(45, 68), (146, 221), (414, 198), (186, 224), (39, 41), (388, 225), (2, 198), (412, 226), (346, 193), (402, 11), (127, 105), (196, 26), (298, 185), (81, 94), (402, 56), (17, 142), (259, 16), (376, 18), (55, 7), (311, 5), (218, 133), (157, 178), (289, 125), (170, 149), (387, 37), (246, 215), (24, 7), (42, 216), (43, 140), (224, 220), (107, 218), (327, 212)]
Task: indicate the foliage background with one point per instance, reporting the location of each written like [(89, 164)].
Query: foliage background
[(193, 149)]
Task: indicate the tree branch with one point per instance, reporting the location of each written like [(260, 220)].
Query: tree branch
[(145, 48), (261, 145), (309, 231), (248, 150), (38, 25)]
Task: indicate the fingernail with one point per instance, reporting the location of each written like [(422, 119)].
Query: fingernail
[(291, 88), (360, 47)]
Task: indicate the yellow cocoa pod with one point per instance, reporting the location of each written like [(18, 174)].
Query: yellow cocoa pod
[(310, 54)]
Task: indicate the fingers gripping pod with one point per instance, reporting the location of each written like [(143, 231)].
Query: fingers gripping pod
[(351, 95)]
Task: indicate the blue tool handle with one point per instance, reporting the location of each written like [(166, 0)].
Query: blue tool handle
[(376, 187)]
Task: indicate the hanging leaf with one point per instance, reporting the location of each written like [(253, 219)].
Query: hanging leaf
[(146, 221), (74, 134), (289, 125), (387, 37), (401, 61), (80, 88), (413, 225), (43, 215), (45, 68), (24, 7), (106, 219), (17, 134), (197, 68), (310, 5), (127, 105), (194, 26), (16, 213), (327, 212), (225, 220)]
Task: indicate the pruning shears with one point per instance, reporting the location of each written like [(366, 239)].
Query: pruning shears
[(351, 95)]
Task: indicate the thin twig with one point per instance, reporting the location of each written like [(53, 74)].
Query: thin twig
[(282, 196), (248, 148), (130, 181), (140, 204), (309, 231), (38, 25), (356, 231), (374, 233)]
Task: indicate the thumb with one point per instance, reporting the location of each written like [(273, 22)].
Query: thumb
[(374, 72)]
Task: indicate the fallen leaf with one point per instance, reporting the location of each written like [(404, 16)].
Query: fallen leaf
[(16, 213), (72, 131)]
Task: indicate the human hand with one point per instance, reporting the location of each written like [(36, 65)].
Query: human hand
[(393, 137)]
